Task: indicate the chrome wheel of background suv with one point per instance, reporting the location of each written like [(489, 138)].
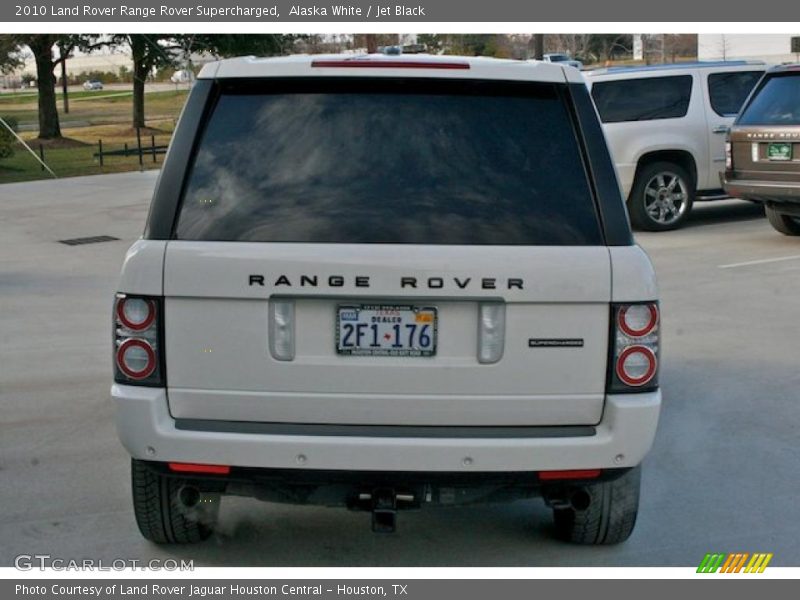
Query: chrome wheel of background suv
[(661, 197)]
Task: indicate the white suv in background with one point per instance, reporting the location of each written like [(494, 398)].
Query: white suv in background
[(666, 127), (387, 282)]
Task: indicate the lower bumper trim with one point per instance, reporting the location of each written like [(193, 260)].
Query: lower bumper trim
[(384, 431)]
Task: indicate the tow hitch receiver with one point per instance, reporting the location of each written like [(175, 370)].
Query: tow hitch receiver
[(383, 504)]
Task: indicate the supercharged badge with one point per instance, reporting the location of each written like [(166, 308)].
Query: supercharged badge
[(555, 343)]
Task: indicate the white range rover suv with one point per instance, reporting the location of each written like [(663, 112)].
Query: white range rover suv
[(666, 128), (384, 283)]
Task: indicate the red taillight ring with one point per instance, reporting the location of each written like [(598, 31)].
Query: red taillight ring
[(637, 332), (151, 315), (651, 371), (151, 359)]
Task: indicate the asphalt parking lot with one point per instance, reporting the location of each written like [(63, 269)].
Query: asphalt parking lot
[(723, 475)]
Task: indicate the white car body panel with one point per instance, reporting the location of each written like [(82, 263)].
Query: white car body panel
[(223, 369), (622, 439), (633, 278), (479, 68), (143, 268)]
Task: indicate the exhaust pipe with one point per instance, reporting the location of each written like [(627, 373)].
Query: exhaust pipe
[(189, 496), (577, 499), (580, 500)]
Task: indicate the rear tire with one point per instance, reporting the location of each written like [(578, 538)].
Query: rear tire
[(785, 224), (661, 197), (161, 515), (606, 512)]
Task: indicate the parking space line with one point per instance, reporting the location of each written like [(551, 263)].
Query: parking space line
[(760, 262)]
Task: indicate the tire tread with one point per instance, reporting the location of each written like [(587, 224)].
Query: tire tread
[(159, 514), (610, 516), (784, 224)]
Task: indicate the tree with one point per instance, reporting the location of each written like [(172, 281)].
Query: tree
[(574, 44), (537, 45), (680, 45), (150, 52), (42, 48), (226, 45), (7, 137), (477, 44), (41, 45), (64, 52), (10, 54), (608, 45), (724, 46), (372, 41), (434, 42)]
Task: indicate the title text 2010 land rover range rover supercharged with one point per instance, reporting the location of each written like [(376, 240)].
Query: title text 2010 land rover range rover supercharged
[(386, 282)]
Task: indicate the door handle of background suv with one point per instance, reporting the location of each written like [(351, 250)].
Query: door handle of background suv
[(721, 129)]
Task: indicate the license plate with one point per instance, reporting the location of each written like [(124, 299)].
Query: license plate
[(779, 152), (386, 330)]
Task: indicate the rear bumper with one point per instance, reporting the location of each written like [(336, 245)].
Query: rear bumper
[(762, 191), (621, 439)]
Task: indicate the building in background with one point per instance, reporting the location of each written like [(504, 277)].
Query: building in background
[(771, 48)]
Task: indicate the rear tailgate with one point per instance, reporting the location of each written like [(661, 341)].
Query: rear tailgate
[(476, 190), (766, 137), (766, 153), (217, 334)]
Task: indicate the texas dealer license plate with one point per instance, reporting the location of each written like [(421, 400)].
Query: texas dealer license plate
[(386, 330)]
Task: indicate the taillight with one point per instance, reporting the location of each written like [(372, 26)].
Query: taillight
[(137, 314), (728, 156), (633, 364), (137, 341)]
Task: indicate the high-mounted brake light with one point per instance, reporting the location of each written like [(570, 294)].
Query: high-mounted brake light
[(389, 64), (137, 341), (633, 357)]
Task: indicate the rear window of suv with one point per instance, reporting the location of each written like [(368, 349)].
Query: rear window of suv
[(776, 102), (389, 161), (728, 91), (642, 99)]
